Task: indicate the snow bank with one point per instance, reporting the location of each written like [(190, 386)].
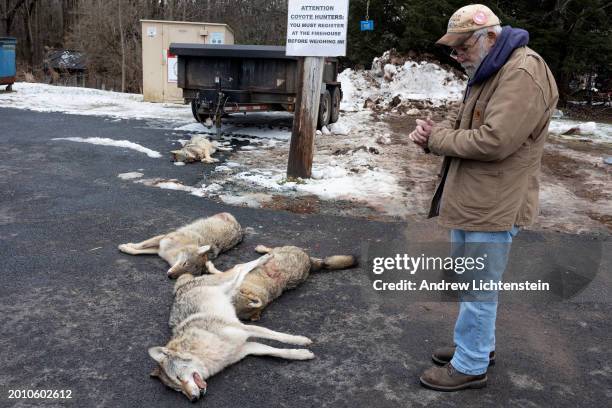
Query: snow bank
[(93, 102), (411, 80), (598, 132)]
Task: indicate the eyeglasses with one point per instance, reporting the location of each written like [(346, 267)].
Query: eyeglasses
[(464, 49)]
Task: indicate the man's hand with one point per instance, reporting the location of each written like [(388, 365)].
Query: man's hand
[(420, 135)]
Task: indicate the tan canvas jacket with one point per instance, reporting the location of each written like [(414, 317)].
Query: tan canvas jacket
[(493, 147)]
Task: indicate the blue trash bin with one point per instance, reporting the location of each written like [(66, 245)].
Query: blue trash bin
[(8, 69)]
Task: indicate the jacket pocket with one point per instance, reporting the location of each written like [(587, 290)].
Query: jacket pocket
[(479, 189)]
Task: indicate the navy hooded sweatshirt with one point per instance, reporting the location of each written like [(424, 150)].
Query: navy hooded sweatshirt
[(508, 40)]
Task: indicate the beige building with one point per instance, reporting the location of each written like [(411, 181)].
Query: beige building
[(159, 67)]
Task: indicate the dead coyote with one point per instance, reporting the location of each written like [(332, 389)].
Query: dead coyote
[(188, 248), (198, 148), (209, 336), (289, 267)]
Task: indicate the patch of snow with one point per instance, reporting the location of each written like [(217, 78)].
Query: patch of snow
[(328, 172), (172, 185), (359, 159), (212, 188), (256, 178), (384, 139), (111, 142), (328, 182), (253, 200), (130, 176), (340, 128), (179, 163), (325, 131), (389, 71), (358, 186), (595, 131), (92, 102)]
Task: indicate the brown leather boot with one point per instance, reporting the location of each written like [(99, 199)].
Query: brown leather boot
[(444, 355), (446, 378)]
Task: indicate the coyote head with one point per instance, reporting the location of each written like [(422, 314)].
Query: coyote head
[(249, 304), (192, 260), (180, 371)]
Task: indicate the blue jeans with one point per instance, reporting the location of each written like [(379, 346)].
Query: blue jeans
[(475, 327)]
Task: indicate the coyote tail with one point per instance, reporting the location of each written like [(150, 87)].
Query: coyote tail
[(332, 262)]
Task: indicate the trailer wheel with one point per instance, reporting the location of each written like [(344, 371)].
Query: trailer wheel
[(336, 97), (194, 110), (324, 110)]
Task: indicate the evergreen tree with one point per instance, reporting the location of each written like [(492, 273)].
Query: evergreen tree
[(574, 37)]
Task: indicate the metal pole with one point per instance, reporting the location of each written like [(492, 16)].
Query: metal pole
[(301, 150)]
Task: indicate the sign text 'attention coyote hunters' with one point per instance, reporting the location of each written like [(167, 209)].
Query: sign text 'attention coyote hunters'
[(317, 28)]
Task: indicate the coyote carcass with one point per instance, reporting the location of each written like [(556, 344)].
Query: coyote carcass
[(188, 248), (207, 335), (289, 267), (198, 148)]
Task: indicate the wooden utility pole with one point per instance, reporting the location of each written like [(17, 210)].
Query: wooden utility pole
[(301, 150)]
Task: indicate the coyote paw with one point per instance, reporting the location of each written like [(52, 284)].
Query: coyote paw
[(262, 249), (302, 354), (125, 247), (300, 340), (211, 160)]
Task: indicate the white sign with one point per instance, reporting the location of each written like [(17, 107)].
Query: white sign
[(172, 67), (151, 31), (317, 28), (216, 38)]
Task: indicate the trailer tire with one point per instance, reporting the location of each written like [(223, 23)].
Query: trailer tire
[(194, 110), (336, 97), (324, 110)]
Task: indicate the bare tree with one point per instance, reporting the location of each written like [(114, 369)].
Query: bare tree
[(108, 32)]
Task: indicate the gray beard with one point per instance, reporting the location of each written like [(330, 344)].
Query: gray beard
[(470, 70)]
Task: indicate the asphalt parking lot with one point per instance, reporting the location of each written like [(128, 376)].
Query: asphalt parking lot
[(78, 315)]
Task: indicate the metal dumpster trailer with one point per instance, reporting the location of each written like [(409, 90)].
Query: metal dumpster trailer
[(7, 61), (222, 79)]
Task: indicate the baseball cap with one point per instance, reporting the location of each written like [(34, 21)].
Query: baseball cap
[(465, 21)]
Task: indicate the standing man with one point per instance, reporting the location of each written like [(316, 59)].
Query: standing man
[(492, 147)]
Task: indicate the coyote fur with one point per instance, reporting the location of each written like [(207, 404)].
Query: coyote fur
[(289, 267), (188, 248), (208, 336), (198, 148)]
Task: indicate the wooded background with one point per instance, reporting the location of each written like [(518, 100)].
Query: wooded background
[(575, 37)]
